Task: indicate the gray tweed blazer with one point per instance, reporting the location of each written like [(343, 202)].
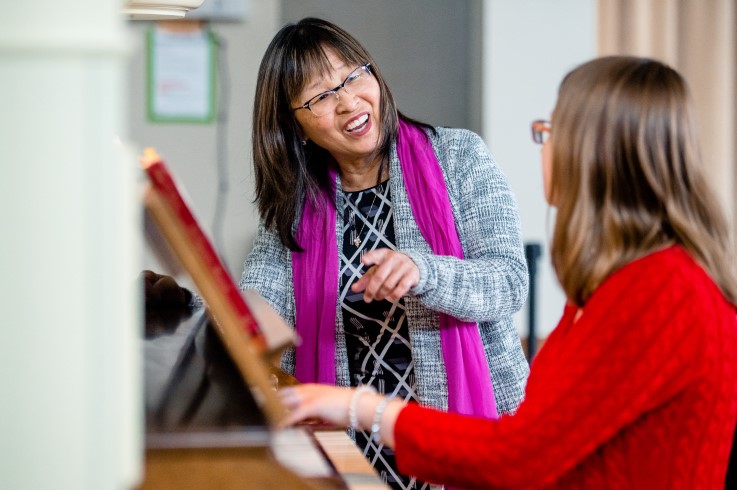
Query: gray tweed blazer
[(487, 287)]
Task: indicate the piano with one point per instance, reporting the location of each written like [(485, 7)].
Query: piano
[(209, 406), (205, 428)]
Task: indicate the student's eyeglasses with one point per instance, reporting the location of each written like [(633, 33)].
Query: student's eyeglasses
[(540, 131), (326, 102)]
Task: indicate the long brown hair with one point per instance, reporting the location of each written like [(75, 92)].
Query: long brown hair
[(627, 175), (286, 170)]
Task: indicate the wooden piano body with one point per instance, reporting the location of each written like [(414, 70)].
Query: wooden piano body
[(204, 429)]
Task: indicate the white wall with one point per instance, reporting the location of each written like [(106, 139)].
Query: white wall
[(191, 149), (69, 370), (529, 45)]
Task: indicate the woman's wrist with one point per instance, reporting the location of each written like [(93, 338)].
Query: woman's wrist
[(388, 421), (353, 420), (376, 423), (378, 413)]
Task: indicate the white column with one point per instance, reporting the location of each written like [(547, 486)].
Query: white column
[(70, 409)]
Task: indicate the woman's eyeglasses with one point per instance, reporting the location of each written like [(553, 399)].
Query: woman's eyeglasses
[(540, 131), (326, 102)]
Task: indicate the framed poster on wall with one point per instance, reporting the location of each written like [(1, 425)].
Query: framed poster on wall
[(181, 61)]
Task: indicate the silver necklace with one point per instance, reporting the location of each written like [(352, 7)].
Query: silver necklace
[(357, 240)]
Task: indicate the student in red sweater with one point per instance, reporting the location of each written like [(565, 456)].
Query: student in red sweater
[(637, 385)]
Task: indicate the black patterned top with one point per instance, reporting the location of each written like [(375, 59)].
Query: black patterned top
[(376, 333)]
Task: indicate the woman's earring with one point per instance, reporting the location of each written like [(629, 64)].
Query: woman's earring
[(304, 142)]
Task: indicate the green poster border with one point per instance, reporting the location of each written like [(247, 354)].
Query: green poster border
[(150, 92)]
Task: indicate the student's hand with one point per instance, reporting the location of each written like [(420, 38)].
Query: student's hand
[(391, 275), (327, 403), (331, 404)]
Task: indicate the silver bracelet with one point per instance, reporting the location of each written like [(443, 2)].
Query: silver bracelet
[(377, 419), (352, 415)]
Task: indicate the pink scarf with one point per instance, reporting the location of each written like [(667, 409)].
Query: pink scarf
[(315, 272)]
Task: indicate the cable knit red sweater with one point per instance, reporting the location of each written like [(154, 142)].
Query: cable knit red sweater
[(639, 392)]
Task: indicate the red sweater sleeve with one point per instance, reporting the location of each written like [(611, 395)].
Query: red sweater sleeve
[(633, 348)]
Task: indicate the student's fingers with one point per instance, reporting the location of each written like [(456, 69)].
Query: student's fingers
[(328, 403)]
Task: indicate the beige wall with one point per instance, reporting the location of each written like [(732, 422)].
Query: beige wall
[(700, 40)]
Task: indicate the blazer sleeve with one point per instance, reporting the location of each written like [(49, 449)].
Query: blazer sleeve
[(490, 283), (268, 270)]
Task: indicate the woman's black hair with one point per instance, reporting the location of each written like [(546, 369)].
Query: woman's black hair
[(287, 170)]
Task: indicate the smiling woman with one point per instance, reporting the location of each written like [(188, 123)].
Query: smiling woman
[(341, 120), (393, 247)]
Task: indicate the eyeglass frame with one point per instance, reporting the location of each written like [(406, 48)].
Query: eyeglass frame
[(334, 91), (539, 127)]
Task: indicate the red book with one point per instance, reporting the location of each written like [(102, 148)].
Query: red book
[(194, 249)]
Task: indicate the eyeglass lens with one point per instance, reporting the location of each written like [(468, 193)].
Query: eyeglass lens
[(540, 131), (326, 102)]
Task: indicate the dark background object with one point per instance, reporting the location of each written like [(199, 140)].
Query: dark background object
[(533, 251)]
